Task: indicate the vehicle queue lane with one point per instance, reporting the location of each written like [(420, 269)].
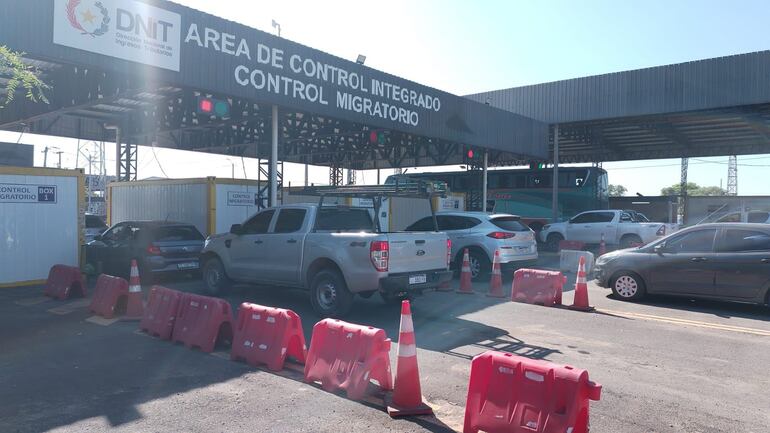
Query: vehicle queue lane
[(72, 375)]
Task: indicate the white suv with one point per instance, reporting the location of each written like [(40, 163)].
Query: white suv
[(482, 234)]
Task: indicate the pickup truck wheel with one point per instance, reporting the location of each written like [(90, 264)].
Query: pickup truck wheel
[(552, 241), (480, 265), (627, 286), (627, 241), (215, 279), (329, 294)]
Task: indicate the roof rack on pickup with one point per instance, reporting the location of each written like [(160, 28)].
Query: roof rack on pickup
[(414, 188)]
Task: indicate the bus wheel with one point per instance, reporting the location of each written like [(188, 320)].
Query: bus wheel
[(552, 241)]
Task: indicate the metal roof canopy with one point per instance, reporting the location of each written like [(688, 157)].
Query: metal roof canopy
[(713, 107), (143, 65)]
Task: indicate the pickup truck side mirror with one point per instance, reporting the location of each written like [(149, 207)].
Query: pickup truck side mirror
[(236, 229), (660, 248)]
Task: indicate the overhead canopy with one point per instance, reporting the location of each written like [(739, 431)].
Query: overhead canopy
[(711, 107), (143, 66)]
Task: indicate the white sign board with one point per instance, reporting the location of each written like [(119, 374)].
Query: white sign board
[(126, 29), (239, 198), (22, 193)]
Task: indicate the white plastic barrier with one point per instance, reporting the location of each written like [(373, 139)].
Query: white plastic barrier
[(569, 259)]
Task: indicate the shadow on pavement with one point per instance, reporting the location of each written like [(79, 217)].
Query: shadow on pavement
[(723, 309)]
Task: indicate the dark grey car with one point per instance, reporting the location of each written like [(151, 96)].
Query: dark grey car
[(718, 261)]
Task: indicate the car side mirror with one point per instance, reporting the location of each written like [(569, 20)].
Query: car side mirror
[(236, 229), (660, 248)]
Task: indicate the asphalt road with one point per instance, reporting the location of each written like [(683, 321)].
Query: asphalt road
[(666, 365)]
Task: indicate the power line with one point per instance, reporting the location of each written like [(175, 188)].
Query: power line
[(158, 161)]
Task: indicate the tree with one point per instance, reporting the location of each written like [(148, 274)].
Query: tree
[(693, 189), (20, 76), (617, 190)]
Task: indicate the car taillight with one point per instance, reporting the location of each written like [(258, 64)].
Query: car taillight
[(661, 231), (152, 249), (501, 235), (448, 252), (378, 252)]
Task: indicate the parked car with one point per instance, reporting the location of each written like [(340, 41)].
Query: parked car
[(95, 226), (721, 261), (619, 227), (483, 234), (159, 247), (332, 251), (753, 216)]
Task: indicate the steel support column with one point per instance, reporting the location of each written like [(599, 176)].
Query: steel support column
[(555, 186), (274, 159), (484, 182)]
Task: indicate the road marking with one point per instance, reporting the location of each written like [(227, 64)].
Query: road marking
[(687, 322), (98, 320), (32, 301), (69, 308)]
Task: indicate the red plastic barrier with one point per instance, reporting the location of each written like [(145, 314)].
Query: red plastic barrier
[(107, 294), (571, 245), (346, 356), (513, 394), (64, 282), (160, 313), (265, 335), (201, 320), (534, 286)]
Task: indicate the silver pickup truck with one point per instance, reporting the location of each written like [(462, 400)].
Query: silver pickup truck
[(332, 251)]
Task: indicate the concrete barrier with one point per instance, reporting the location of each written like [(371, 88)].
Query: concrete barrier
[(568, 260)]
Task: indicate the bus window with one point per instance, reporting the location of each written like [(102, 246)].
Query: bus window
[(579, 178), (503, 180), (521, 180)]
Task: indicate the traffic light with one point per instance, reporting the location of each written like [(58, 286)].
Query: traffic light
[(377, 137), (537, 165), (213, 107), (472, 157)]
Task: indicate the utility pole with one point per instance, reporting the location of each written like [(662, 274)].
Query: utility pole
[(351, 176), (732, 176), (45, 157), (58, 164)]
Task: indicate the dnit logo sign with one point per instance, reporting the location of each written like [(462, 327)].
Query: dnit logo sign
[(90, 18)]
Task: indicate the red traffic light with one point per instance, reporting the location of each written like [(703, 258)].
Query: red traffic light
[(373, 136), (470, 153), (206, 105)]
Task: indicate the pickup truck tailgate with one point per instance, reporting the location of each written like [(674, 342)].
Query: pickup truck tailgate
[(417, 251)]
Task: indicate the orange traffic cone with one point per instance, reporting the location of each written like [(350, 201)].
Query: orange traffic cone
[(407, 396), (466, 287), (496, 282), (135, 305), (602, 246), (581, 289)]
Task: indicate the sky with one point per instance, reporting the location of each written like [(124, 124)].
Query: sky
[(465, 47)]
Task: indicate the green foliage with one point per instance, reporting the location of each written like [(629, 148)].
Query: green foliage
[(693, 189), (617, 190), (20, 76)]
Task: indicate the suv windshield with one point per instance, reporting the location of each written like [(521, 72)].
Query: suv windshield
[(344, 220)]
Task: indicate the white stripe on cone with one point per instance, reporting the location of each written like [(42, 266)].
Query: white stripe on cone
[(407, 350), (406, 324)]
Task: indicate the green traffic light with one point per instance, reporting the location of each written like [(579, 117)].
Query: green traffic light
[(221, 108)]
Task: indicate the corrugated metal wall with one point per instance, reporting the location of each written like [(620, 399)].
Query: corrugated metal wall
[(37, 235), (182, 202), (700, 85)]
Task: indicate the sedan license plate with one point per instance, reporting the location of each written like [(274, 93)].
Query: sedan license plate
[(189, 265), (418, 279), (522, 249)]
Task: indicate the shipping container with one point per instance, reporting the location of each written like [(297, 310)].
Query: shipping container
[(41, 222), (211, 204)]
